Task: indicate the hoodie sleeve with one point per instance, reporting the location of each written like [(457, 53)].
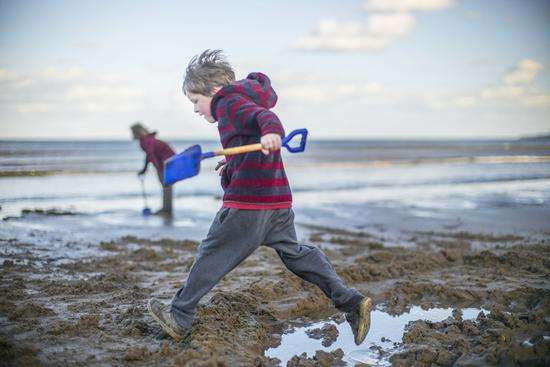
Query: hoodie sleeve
[(244, 114)]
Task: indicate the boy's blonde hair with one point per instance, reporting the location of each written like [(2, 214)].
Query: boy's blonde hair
[(206, 72)]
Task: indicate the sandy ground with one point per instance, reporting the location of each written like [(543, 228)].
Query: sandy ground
[(93, 311)]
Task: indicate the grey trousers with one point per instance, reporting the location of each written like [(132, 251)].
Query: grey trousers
[(234, 235)]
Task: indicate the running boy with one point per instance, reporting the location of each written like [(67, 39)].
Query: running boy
[(156, 152), (257, 199)]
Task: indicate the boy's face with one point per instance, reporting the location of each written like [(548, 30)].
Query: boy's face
[(201, 104)]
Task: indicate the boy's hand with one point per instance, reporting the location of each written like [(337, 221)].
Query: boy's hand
[(270, 143), (221, 165)]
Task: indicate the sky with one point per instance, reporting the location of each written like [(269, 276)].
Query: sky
[(343, 69)]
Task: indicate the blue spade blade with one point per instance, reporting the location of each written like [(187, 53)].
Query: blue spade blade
[(146, 212), (184, 165)]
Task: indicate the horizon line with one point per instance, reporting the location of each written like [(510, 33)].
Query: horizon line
[(339, 138)]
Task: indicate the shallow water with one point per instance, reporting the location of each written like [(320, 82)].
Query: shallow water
[(373, 351), (384, 188)]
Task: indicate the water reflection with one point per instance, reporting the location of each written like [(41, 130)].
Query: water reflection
[(382, 342)]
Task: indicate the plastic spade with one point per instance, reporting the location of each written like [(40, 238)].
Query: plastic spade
[(188, 163)]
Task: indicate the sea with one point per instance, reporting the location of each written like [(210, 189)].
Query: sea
[(55, 193)]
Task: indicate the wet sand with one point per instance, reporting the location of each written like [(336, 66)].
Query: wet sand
[(92, 311)]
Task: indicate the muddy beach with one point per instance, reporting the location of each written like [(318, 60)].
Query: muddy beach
[(92, 311)]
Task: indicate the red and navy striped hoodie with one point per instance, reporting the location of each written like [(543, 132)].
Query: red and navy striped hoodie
[(251, 180)]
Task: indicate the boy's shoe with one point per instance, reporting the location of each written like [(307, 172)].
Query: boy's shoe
[(359, 320), (163, 316)]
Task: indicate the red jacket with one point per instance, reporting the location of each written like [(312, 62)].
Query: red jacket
[(156, 150)]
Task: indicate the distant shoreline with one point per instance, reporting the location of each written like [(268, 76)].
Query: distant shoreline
[(545, 137), (321, 140)]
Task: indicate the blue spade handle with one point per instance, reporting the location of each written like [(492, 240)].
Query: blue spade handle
[(303, 139)]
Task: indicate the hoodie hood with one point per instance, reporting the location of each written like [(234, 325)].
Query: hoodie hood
[(256, 87)]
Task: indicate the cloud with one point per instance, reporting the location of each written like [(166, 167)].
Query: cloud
[(379, 31), (4, 74), (315, 94), (350, 90), (31, 107), (536, 100), (391, 25), (105, 98), (524, 73), (502, 92), (517, 88), (406, 5), (390, 21), (58, 90), (465, 102), (440, 103), (55, 74)]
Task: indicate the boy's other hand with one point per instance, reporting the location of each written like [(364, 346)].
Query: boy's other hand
[(270, 143), (221, 165)]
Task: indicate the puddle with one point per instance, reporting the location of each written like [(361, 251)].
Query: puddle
[(374, 351)]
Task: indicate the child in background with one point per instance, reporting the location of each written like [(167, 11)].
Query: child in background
[(257, 202), (156, 152)]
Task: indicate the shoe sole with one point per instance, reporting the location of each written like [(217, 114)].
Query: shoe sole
[(164, 326), (364, 320)]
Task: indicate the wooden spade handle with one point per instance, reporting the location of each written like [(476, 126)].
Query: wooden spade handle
[(239, 150)]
